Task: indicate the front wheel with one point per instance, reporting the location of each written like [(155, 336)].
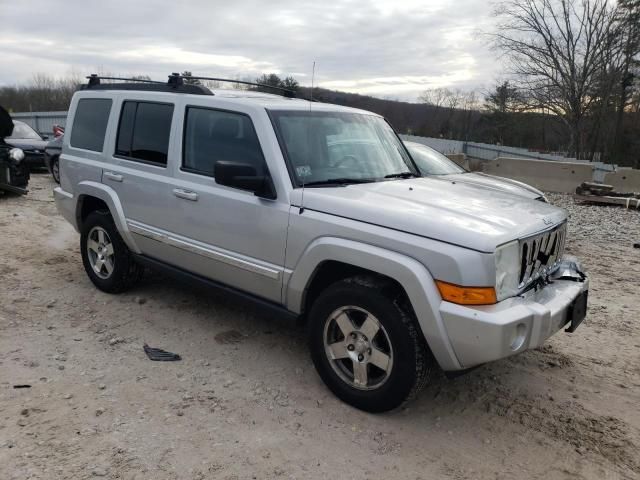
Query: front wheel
[(366, 345)]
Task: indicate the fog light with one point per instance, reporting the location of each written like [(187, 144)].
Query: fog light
[(518, 337)]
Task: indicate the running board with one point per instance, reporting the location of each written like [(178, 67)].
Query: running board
[(203, 282)]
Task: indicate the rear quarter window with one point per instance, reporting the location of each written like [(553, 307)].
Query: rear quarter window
[(90, 123)]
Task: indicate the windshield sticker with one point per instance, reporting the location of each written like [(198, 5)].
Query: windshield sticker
[(303, 171)]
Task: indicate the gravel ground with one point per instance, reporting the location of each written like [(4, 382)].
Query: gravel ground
[(245, 402)]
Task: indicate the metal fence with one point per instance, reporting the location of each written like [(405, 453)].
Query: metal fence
[(483, 151), (42, 122), (488, 152)]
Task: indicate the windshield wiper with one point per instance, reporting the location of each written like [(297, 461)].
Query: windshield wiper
[(401, 175), (338, 181)]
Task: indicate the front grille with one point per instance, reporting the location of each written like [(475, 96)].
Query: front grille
[(540, 253)]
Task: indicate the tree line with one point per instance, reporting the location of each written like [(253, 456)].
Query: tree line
[(47, 93)]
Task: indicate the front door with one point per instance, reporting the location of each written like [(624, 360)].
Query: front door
[(224, 233)]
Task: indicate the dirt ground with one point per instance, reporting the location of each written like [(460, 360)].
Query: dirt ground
[(246, 403)]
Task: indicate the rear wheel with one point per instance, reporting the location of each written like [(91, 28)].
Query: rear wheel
[(105, 256), (55, 169), (366, 346)]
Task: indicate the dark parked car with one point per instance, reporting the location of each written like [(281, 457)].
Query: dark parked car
[(30, 142), (52, 155)]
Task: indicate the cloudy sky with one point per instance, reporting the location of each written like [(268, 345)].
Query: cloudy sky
[(386, 48)]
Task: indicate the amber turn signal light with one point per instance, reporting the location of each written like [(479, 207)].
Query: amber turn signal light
[(467, 295)]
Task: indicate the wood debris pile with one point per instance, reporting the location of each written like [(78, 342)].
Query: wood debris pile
[(601, 194)]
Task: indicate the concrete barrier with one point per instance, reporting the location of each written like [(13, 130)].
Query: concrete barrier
[(475, 164), (459, 158), (624, 180), (549, 176)]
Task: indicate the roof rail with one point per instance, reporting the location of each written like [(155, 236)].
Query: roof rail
[(175, 83), (145, 85), (94, 79), (284, 91)]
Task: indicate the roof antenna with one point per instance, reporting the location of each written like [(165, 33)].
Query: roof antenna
[(313, 76)]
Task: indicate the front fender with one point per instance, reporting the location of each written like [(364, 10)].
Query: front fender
[(408, 272), (110, 197)]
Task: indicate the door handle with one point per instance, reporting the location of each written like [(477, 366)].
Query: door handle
[(116, 177), (186, 194)]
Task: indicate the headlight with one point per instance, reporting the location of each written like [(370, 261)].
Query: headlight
[(507, 258), (16, 154)]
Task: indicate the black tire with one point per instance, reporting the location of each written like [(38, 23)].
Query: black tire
[(412, 363), (125, 272), (55, 169)]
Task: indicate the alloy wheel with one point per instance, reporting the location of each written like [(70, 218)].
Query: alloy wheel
[(358, 347), (100, 252)]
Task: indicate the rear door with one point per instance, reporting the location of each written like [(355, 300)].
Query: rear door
[(142, 166)]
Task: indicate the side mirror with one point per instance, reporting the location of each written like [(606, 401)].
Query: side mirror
[(245, 177)]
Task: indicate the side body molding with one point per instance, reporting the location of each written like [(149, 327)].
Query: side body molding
[(110, 197), (411, 274)]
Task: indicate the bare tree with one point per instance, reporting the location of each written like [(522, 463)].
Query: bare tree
[(469, 104), (446, 102), (435, 97), (558, 50), (628, 46)]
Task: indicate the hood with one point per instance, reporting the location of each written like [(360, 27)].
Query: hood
[(27, 144), (463, 214), (496, 183)]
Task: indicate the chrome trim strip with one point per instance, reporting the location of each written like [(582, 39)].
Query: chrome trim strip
[(190, 247), (557, 226)]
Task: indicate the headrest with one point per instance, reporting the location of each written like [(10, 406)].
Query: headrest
[(226, 128)]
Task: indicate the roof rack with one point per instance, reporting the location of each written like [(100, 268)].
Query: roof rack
[(94, 79), (142, 84), (175, 83), (176, 77)]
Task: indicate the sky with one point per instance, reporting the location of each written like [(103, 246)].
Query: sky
[(385, 48)]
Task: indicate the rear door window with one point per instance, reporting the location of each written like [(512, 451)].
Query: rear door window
[(143, 132), (90, 123)]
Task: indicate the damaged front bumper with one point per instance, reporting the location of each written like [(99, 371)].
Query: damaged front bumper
[(480, 334), (13, 178)]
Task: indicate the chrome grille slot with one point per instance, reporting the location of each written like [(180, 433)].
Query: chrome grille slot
[(540, 253)]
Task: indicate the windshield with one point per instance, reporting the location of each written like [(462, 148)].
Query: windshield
[(22, 130), (326, 146), (431, 162)]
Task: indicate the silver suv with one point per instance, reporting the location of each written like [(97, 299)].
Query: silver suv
[(319, 212)]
